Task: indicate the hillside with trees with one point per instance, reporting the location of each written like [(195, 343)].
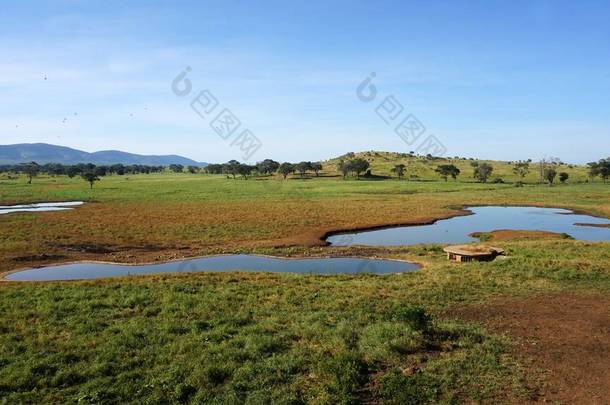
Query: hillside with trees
[(412, 167)]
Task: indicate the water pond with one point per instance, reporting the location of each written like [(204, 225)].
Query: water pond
[(483, 219), (222, 263), (50, 206)]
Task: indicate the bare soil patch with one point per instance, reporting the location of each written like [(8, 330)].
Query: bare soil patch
[(566, 338)]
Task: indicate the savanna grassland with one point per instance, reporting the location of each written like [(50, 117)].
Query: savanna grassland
[(261, 338), (162, 216)]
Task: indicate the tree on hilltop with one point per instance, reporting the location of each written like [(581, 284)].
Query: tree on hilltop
[(448, 170), (399, 170), (482, 171)]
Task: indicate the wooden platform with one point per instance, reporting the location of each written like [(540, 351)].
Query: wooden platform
[(467, 253)]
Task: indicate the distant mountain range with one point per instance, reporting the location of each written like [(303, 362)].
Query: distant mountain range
[(45, 153)]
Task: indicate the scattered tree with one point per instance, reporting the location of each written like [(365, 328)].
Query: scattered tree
[(316, 167), (214, 168), (90, 177), (302, 167), (358, 166), (232, 168), (544, 164), (482, 171), (192, 169), (267, 166), (448, 170), (563, 176), (344, 168), (600, 168), (399, 170), (549, 175), (244, 170), (31, 170), (285, 169), (521, 169)]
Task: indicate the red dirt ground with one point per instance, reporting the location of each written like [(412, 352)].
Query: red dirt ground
[(566, 337)]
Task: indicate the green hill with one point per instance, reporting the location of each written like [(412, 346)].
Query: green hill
[(422, 167)]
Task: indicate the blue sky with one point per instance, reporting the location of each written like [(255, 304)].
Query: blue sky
[(490, 79)]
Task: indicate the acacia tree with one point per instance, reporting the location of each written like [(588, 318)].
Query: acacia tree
[(214, 168), (344, 168), (448, 170), (285, 169), (316, 167), (482, 171), (358, 166), (601, 169), (90, 177), (232, 168), (521, 169), (302, 167), (399, 170), (244, 170), (267, 166), (31, 170), (549, 175)]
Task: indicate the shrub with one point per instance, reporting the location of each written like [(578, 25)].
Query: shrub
[(415, 316)]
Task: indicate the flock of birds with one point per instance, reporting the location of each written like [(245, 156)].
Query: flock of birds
[(65, 120)]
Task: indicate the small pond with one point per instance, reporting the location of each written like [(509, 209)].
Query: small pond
[(222, 263), (50, 206), (484, 219)]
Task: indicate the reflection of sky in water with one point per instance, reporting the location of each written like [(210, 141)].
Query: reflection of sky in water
[(217, 263), (485, 219), (58, 206)]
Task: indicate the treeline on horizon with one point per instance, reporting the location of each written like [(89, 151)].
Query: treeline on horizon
[(481, 171), (347, 164), (88, 171), (233, 168), (58, 169)]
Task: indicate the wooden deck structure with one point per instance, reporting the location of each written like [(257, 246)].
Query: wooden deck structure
[(468, 253)]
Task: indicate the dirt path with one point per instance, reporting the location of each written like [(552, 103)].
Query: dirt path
[(567, 337)]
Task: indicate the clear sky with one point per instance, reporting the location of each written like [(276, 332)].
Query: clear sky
[(490, 79)]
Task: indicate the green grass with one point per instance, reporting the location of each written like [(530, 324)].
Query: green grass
[(260, 338)]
